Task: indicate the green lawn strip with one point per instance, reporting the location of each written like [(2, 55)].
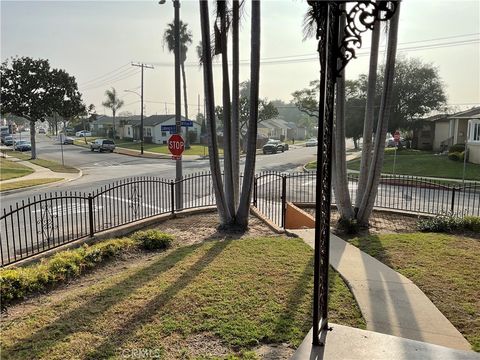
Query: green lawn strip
[(195, 149), (20, 184), (421, 163), (52, 165), (444, 267), (232, 294), (81, 141), (11, 170)]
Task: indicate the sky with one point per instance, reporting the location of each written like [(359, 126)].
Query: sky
[(96, 41)]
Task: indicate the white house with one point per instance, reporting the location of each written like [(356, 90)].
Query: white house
[(153, 132)]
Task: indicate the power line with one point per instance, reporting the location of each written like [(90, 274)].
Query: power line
[(109, 82), (110, 78), (101, 76)]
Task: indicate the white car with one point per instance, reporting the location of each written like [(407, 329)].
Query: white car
[(83, 133), (311, 142)]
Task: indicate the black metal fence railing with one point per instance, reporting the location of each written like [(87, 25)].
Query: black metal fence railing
[(46, 222), (397, 192)]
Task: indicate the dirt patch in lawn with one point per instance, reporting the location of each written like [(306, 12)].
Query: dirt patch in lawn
[(381, 222)]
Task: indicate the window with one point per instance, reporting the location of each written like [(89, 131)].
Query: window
[(147, 132), (164, 133), (128, 131), (474, 131)]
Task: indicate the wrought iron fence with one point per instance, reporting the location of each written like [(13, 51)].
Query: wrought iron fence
[(45, 222), (396, 192)]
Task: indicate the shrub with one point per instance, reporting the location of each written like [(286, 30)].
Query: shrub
[(472, 223), (16, 283), (449, 223), (456, 156), (153, 239), (456, 148)]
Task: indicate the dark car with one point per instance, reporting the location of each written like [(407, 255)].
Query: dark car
[(102, 145), (8, 140), (65, 140), (22, 145), (274, 146)]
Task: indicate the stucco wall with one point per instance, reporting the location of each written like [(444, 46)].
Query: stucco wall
[(474, 153), (441, 134)]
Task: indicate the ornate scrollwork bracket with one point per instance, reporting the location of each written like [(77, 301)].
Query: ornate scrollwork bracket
[(47, 222), (136, 199), (361, 17)]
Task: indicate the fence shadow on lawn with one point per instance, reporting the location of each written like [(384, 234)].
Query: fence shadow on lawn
[(78, 319)]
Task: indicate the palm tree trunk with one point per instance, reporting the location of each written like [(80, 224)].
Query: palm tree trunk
[(374, 174), (369, 116), (227, 130), (216, 171), (244, 206), (342, 194), (187, 140), (32, 140), (113, 134), (235, 102)]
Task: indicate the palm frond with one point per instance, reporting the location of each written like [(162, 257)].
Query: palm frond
[(309, 24)]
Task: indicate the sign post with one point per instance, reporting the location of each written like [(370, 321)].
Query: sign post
[(176, 146), (396, 139)]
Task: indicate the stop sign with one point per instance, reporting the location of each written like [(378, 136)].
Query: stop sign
[(176, 145), (396, 136)]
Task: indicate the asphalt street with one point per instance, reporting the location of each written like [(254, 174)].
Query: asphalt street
[(100, 169)]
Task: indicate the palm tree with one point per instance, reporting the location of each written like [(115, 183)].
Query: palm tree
[(113, 103), (223, 211), (235, 101), (369, 116), (249, 172), (185, 40), (366, 205)]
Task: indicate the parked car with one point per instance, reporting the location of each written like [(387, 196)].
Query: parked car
[(102, 145), (68, 140), (8, 140), (83, 133), (274, 146), (311, 142), (391, 142), (22, 145), (41, 131)]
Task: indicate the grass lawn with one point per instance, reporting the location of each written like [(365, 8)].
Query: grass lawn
[(445, 267), (423, 163), (11, 170), (52, 165), (81, 141), (206, 301), (26, 183), (195, 149)]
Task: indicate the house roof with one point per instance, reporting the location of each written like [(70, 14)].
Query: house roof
[(437, 117), (473, 113)]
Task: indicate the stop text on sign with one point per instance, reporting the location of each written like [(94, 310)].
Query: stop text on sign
[(176, 145)]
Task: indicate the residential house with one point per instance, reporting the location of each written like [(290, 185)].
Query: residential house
[(278, 128), (153, 133), (459, 128), (430, 132)]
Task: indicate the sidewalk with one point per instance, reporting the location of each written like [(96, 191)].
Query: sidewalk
[(40, 173), (390, 303)]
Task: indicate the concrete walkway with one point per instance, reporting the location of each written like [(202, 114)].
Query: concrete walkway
[(390, 303), (39, 173), (347, 343)]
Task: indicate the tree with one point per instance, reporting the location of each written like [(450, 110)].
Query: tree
[(185, 40), (230, 215), (30, 89), (371, 188), (266, 110), (306, 100), (113, 103)]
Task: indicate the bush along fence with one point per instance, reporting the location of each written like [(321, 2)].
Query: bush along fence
[(46, 222)]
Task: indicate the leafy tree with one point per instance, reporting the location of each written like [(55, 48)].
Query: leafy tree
[(113, 103), (32, 90)]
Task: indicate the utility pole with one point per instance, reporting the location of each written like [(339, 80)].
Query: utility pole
[(142, 65), (178, 99)]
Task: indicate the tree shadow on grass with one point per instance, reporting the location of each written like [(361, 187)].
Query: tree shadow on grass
[(79, 319), (288, 319), (114, 342)]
